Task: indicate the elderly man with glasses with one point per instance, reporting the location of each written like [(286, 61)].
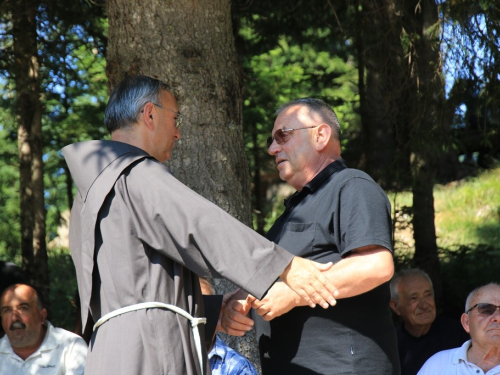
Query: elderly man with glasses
[(339, 215), (139, 238), (480, 354)]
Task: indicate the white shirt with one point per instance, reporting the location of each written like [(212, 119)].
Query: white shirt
[(454, 362), (61, 353)]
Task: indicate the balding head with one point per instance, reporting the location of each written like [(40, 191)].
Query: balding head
[(23, 318), (482, 317)]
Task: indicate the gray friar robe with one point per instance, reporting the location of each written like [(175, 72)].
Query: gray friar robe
[(137, 234)]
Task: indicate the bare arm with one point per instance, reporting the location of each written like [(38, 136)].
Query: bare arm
[(361, 271)]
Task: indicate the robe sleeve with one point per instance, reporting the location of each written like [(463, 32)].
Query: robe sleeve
[(179, 223)]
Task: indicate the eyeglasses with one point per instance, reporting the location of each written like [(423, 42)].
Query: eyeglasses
[(484, 308), (178, 119), (283, 135)]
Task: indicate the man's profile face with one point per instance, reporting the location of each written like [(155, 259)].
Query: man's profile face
[(484, 329), (165, 133), (416, 303), (296, 159), (22, 319)]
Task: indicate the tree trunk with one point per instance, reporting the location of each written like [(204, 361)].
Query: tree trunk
[(421, 21), (381, 85), (190, 46), (29, 119)]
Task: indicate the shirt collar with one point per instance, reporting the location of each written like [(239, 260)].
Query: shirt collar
[(461, 353), (5, 346), (219, 349), (330, 169), (317, 181)]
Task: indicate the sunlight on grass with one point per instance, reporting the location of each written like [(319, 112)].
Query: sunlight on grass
[(467, 212)]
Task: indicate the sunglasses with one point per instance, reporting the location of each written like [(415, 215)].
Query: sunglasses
[(283, 135), (484, 308)]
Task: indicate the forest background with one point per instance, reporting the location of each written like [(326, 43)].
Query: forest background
[(413, 82)]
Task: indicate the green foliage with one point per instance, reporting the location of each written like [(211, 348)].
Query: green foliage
[(10, 236), (63, 290), (464, 268), (71, 45)]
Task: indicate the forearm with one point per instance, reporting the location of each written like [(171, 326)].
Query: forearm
[(363, 270)]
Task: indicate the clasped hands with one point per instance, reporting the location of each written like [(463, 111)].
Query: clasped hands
[(303, 283)]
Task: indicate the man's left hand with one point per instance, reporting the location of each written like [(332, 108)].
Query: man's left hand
[(306, 278)]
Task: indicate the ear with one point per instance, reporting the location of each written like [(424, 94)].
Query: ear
[(43, 314), (394, 307), (322, 136), (147, 116), (464, 319)]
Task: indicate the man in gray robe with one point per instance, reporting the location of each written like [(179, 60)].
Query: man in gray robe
[(139, 235)]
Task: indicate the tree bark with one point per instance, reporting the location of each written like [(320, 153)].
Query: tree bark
[(190, 46), (421, 21), (381, 86), (29, 118)]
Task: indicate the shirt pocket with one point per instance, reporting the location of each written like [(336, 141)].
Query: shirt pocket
[(298, 238)]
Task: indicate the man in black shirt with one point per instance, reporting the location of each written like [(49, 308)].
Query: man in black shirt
[(337, 215), (420, 335)]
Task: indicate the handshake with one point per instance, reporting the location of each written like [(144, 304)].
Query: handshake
[(303, 283)]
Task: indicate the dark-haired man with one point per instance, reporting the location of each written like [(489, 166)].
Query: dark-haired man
[(337, 215), (139, 238), (31, 344)]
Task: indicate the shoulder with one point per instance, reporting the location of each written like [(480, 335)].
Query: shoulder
[(5, 346), (442, 362), (64, 337), (353, 179)]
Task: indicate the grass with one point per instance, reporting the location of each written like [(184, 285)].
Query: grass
[(467, 213)]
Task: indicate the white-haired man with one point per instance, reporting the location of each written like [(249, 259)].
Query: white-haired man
[(421, 334), (481, 354)]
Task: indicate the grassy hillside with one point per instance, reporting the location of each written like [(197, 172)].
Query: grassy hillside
[(467, 213)]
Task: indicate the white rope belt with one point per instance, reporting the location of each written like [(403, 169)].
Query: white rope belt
[(159, 305)]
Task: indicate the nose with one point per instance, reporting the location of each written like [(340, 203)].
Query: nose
[(15, 315), (496, 315), (274, 148), (177, 134), (424, 301)]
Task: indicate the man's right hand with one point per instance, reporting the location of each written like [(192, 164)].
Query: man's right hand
[(233, 319), (307, 279)]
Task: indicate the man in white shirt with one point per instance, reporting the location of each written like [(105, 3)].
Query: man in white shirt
[(481, 354), (31, 344)]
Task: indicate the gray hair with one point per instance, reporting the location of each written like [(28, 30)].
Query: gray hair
[(472, 294), (128, 98), (320, 108), (402, 274)]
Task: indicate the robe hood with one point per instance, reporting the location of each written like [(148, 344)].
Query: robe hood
[(87, 160), (94, 166)]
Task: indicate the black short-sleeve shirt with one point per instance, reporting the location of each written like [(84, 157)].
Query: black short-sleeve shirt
[(340, 210)]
